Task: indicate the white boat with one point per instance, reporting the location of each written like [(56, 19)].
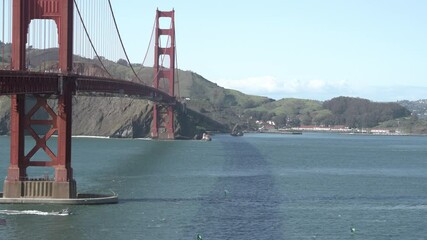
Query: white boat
[(206, 137)]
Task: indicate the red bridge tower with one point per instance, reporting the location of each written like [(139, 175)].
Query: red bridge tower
[(17, 183), (163, 118)]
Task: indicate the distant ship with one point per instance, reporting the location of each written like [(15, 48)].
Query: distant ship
[(206, 137)]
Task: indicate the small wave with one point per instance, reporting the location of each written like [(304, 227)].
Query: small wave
[(86, 136), (63, 212), (400, 207)]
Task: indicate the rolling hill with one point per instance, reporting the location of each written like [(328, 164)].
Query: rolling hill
[(205, 106)]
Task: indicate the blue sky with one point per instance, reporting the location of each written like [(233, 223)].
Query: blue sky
[(299, 48), (313, 49)]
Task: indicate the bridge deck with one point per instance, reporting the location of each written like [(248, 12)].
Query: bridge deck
[(22, 82)]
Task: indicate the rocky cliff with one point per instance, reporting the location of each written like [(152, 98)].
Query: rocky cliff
[(120, 117)]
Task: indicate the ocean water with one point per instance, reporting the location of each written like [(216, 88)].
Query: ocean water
[(259, 186)]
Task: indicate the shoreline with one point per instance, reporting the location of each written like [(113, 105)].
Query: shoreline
[(340, 132), (94, 137)]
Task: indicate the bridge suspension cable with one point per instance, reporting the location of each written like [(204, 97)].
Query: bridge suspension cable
[(98, 30), (6, 32), (121, 42), (178, 93), (2, 35), (148, 47), (90, 40)]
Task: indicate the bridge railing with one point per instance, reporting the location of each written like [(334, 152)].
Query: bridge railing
[(21, 82)]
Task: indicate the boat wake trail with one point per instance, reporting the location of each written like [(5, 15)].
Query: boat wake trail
[(63, 212)]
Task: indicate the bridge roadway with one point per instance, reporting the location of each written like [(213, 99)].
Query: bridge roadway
[(24, 82)]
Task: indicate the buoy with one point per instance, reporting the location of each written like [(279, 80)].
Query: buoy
[(352, 229), (199, 237)]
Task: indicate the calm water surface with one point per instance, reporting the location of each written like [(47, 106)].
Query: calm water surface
[(310, 186)]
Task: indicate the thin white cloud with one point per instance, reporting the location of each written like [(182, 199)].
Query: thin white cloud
[(278, 88), (317, 89), (252, 85)]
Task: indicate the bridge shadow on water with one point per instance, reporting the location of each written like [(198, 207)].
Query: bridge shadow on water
[(242, 204)]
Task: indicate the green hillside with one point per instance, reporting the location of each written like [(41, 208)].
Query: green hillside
[(204, 105)]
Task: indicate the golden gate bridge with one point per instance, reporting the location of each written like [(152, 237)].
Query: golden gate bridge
[(74, 31)]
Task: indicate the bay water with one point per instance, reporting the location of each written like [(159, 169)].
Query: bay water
[(259, 186)]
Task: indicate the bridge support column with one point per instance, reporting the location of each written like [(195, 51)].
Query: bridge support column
[(162, 126), (17, 170), (63, 171), (17, 183)]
